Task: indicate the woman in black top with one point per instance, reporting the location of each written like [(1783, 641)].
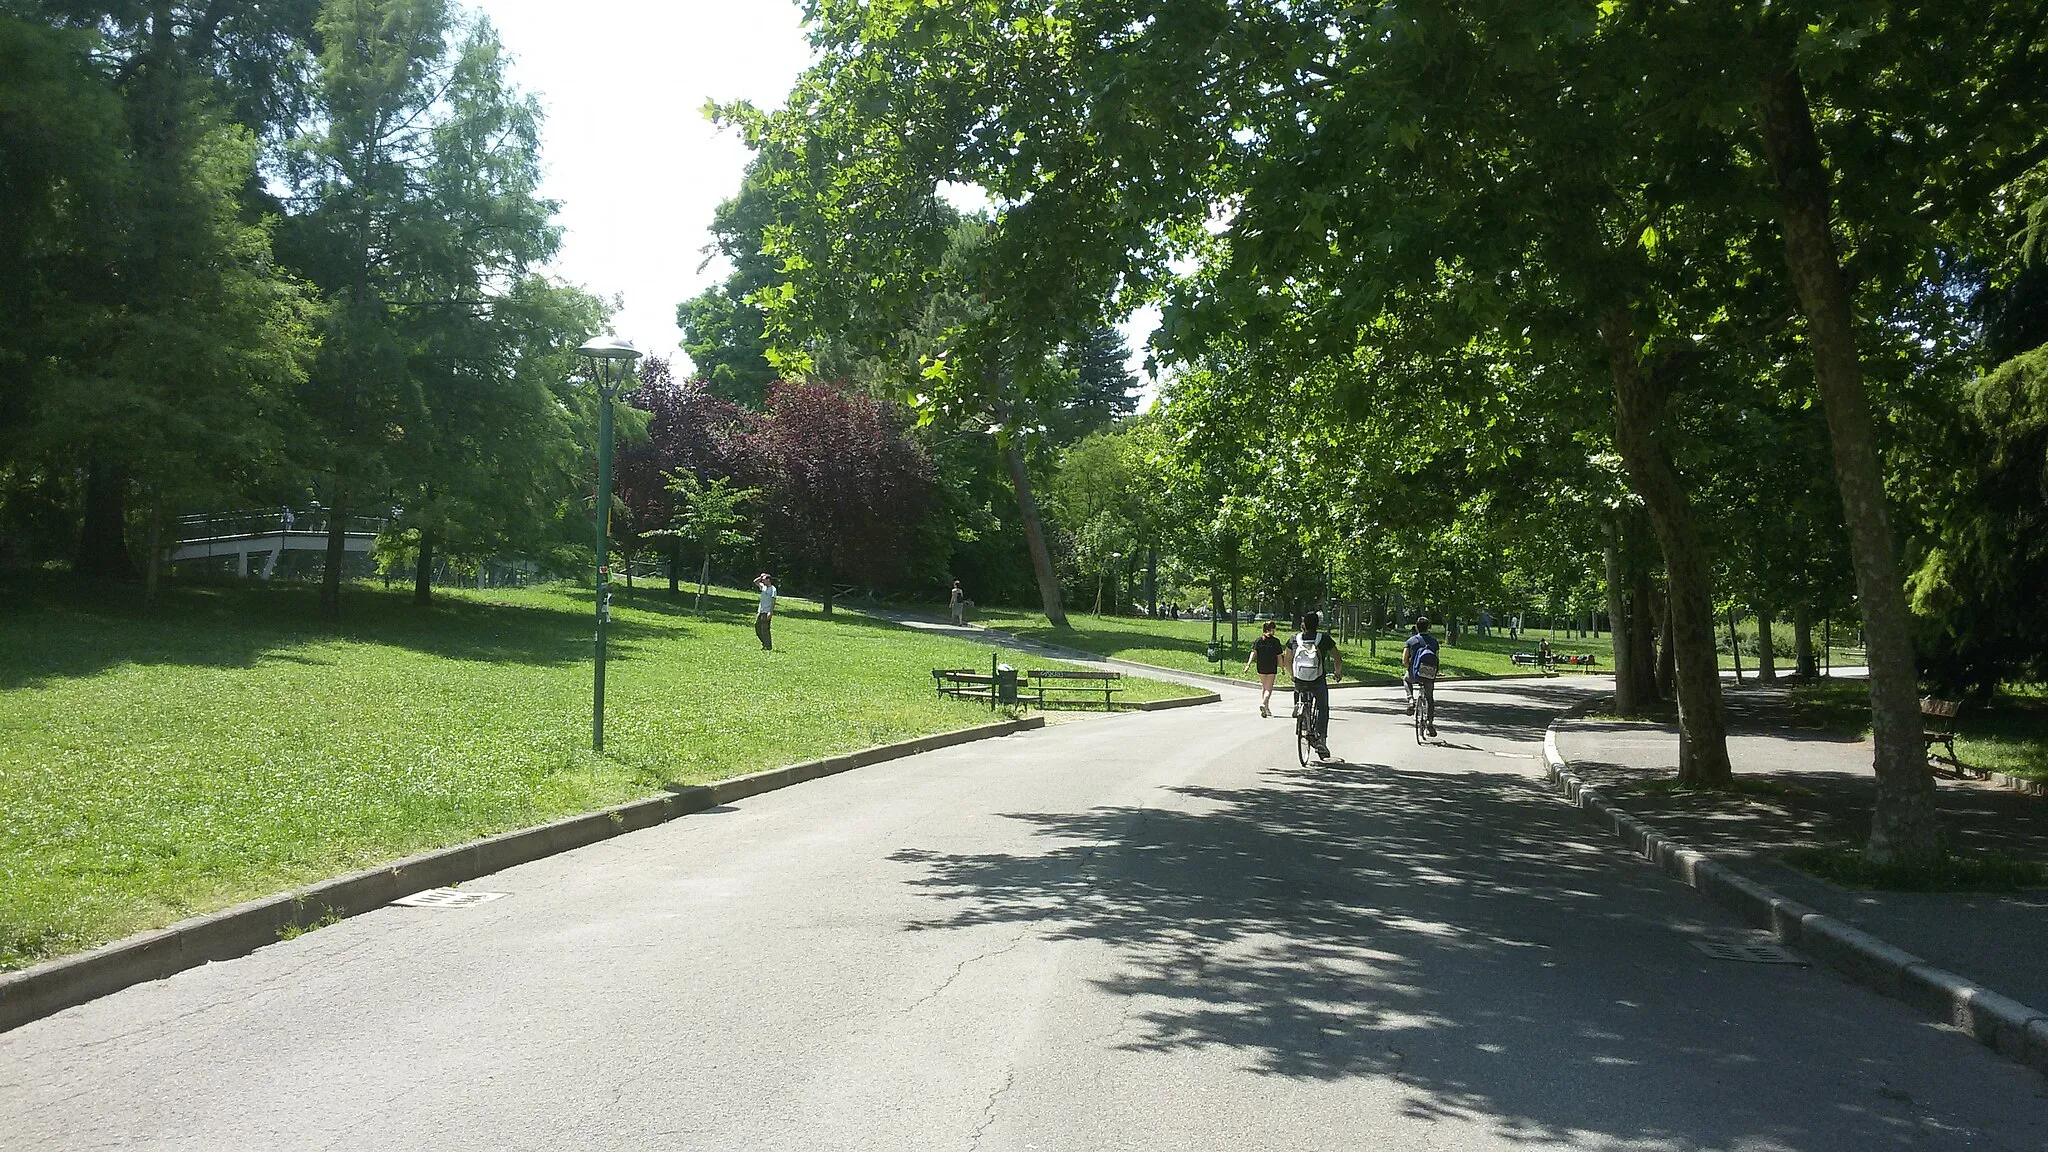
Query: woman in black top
[(1266, 650)]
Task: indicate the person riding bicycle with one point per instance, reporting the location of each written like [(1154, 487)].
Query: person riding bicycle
[(1312, 660), (1418, 669)]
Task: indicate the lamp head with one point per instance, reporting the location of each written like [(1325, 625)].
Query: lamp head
[(609, 348)]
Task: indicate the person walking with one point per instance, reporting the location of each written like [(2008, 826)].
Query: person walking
[(1266, 651), (958, 604), (764, 618)]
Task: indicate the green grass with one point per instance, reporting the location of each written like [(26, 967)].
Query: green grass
[(1180, 644), (1986, 873), (160, 762), (2010, 735)]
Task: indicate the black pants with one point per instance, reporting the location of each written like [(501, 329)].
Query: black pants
[(1320, 690), (761, 630)]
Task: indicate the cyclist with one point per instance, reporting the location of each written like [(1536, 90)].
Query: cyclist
[(1418, 669), (1266, 652), (1311, 654)]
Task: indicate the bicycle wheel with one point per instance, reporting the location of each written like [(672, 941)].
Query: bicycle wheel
[(1304, 729), (1422, 703)]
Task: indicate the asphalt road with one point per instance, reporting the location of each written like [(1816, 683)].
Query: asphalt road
[(1152, 931)]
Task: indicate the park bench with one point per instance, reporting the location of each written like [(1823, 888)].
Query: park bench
[(1557, 659), (1938, 726), (967, 684), (963, 683), (1083, 683)]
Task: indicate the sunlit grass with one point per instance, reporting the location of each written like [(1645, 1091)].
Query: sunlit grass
[(159, 762)]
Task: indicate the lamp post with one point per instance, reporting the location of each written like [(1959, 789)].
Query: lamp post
[(611, 364)]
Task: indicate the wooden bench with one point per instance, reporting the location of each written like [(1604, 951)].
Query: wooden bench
[(1086, 683), (1938, 726)]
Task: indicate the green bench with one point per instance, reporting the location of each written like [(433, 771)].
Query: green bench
[(1082, 683)]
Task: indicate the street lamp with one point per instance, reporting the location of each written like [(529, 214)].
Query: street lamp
[(611, 364)]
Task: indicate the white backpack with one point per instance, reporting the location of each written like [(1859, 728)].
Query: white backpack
[(1308, 657)]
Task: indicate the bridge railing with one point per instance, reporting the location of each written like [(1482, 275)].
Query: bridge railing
[(270, 522)]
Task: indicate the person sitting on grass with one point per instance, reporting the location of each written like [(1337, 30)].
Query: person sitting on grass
[(1266, 650)]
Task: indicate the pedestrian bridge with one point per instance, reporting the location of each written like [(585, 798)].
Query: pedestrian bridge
[(268, 535)]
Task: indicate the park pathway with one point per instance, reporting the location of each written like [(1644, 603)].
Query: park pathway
[(1148, 931)]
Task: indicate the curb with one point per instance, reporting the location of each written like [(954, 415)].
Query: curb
[(2017, 784), (1179, 702), (55, 985), (1998, 1022)]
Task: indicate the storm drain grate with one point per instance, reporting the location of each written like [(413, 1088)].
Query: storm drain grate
[(446, 898), (1747, 953)]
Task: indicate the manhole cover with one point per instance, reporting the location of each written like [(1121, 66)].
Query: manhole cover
[(1747, 953), (446, 898)]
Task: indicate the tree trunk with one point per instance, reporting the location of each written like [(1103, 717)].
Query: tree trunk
[(675, 565), (1766, 653), (1034, 535), (156, 547), (1640, 429), (423, 571), (1626, 700), (337, 552), (1642, 618), (1152, 580), (1667, 657), (103, 540), (703, 579), (1904, 826), (1802, 641)]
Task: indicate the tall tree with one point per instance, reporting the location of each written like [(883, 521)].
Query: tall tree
[(419, 216)]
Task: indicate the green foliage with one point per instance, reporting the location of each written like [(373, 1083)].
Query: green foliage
[(708, 515)]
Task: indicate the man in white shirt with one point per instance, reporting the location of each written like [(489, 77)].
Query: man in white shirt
[(766, 583)]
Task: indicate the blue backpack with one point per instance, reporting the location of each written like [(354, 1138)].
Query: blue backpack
[(1425, 660)]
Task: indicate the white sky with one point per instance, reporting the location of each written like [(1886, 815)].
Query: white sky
[(637, 168)]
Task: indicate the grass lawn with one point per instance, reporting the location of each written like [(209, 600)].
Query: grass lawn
[(2010, 736), (1181, 644), (160, 762)]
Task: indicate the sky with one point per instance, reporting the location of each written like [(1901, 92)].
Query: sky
[(628, 153)]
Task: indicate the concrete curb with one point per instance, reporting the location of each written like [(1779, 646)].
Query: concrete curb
[(2017, 784), (55, 985), (2012, 1028), (1178, 702)]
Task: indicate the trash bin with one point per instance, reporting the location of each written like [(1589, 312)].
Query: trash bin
[(1006, 685), (1213, 654)]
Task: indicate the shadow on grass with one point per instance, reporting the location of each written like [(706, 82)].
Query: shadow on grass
[(54, 629)]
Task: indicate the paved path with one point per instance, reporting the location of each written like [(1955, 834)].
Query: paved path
[(1148, 931), (1998, 940)]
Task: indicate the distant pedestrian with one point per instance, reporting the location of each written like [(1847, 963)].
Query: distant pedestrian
[(1266, 650), (765, 616), (958, 604)]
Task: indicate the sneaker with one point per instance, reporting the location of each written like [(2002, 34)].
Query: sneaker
[(1409, 710), (1264, 711), (1323, 750), (1432, 731)]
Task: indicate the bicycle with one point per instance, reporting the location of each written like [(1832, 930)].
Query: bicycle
[(1305, 726), (1424, 707)]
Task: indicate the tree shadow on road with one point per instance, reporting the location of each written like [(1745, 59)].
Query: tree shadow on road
[(1459, 933)]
